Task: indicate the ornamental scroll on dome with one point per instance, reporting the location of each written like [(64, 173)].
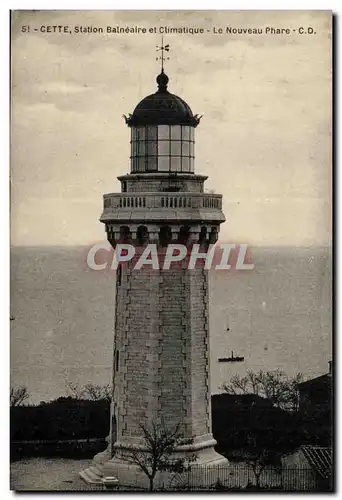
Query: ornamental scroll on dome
[(193, 122)]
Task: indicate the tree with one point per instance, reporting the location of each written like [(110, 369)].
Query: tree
[(94, 392), (18, 395), (278, 388), (257, 457), (159, 452)]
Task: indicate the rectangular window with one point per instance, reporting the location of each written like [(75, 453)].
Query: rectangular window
[(119, 273), (175, 132), (163, 132), (117, 360), (192, 149), (192, 134)]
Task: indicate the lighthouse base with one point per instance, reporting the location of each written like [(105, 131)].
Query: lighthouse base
[(204, 470)]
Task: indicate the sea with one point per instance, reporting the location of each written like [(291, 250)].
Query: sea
[(276, 316)]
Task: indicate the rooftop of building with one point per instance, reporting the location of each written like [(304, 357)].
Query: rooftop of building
[(319, 458), (322, 380)]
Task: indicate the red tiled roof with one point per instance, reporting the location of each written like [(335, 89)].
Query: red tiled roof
[(320, 458)]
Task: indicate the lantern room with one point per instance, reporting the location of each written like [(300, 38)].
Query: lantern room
[(162, 133)]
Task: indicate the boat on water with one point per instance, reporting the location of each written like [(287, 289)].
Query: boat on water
[(231, 359)]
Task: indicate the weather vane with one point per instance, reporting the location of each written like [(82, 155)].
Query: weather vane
[(163, 48)]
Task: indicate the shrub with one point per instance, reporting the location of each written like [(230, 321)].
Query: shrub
[(61, 419)]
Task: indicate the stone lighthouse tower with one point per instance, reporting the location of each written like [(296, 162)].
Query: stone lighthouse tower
[(161, 371)]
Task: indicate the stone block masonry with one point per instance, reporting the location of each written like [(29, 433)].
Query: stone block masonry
[(162, 336), (156, 349)]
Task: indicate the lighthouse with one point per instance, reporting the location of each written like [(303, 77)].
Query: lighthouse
[(161, 355)]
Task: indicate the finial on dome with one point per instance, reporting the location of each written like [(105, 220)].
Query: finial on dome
[(162, 81)]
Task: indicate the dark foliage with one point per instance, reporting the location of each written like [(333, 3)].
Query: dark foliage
[(316, 427), (64, 418), (235, 418), (66, 449)]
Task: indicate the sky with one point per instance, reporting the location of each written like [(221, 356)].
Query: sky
[(264, 139)]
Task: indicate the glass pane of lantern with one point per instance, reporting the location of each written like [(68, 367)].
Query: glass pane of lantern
[(152, 163), (185, 148), (151, 148), (163, 163), (141, 148), (175, 148), (175, 164), (141, 164), (133, 134), (192, 149), (163, 147), (185, 133), (151, 132), (192, 134), (140, 133), (163, 132), (176, 132), (135, 148), (191, 165), (185, 164)]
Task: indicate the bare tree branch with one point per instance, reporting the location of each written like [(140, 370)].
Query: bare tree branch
[(18, 395), (256, 458), (94, 392), (160, 445), (281, 390)]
